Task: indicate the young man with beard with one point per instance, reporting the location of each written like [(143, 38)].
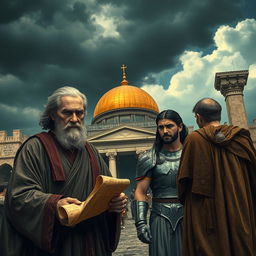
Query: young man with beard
[(55, 169), (217, 185), (157, 169)]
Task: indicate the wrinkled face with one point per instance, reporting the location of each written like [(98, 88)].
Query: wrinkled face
[(69, 122), (71, 112), (168, 130)]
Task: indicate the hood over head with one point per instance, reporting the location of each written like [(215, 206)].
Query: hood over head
[(221, 135)]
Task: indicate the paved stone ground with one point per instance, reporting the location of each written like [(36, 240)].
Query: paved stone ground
[(129, 244)]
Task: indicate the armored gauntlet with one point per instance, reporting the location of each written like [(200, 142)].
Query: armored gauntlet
[(140, 215)]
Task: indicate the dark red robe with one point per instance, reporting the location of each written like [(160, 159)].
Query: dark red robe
[(31, 226)]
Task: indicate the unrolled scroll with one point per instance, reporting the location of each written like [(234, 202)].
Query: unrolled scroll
[(97, 202)]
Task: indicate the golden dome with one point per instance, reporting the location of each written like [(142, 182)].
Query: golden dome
[(125, 96)]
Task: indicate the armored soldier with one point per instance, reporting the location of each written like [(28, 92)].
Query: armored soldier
[(157, 168)]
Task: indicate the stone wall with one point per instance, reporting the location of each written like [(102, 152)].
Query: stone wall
[(9, 145)]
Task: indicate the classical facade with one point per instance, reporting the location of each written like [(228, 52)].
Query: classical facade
[(123, 123), (123, 126)]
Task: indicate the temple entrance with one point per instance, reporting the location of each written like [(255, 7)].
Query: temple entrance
[(126, 167)]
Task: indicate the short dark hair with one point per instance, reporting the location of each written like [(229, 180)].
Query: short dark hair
[(175, 117), (209, 109)]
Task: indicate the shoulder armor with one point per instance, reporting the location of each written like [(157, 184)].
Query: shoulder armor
[(146, 161)]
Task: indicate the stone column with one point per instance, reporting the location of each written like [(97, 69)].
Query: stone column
[(112, 163), (231, 85)]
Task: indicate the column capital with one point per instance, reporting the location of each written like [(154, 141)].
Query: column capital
[(112, 162), (231, 83), (111, 155)]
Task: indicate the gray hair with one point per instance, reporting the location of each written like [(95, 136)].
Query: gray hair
[(53, 103)]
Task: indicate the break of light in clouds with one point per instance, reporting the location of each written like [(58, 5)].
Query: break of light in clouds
[(235, 50)]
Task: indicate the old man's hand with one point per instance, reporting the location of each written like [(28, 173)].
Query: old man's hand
[(65, 201), (118, 204)]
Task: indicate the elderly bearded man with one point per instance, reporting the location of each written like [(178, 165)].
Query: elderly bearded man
[(54, 169)]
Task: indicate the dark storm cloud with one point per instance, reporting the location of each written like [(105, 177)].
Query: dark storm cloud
[(14, 120), (48, 44), (13, 10)]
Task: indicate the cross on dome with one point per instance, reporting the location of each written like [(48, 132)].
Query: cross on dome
[(124, 82)]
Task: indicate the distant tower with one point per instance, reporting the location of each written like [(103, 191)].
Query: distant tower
[(231, 85)]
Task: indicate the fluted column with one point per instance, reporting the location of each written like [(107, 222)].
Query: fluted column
[(112, 163), (231, 85)]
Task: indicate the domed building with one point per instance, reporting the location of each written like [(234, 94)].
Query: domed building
[(125, 104), (123, 123), (123, 126)]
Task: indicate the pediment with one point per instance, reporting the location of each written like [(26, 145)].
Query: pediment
[(123, 133)]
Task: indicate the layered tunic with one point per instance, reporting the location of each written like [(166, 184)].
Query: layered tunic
[(217, 184), (31, 226)]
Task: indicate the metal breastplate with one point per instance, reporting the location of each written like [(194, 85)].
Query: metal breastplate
[(163, 183)]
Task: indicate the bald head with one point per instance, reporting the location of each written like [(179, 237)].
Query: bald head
[(209, 109)]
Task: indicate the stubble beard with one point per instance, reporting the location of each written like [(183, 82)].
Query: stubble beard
[(170, 139), (72, 136)]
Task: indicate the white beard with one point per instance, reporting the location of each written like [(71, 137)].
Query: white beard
[(71, 136)]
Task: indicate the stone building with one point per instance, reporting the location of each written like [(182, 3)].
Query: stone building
[(9, 145), (123, 126), (123, 123)]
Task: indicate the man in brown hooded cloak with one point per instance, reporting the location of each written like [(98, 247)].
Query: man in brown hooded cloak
[(217, 185)]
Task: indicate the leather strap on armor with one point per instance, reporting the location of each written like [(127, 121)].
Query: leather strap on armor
[(165, 200)]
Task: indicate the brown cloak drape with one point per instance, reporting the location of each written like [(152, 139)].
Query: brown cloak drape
[(217, 184)]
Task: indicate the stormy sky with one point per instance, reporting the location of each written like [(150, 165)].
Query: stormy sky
[(172, 50)]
